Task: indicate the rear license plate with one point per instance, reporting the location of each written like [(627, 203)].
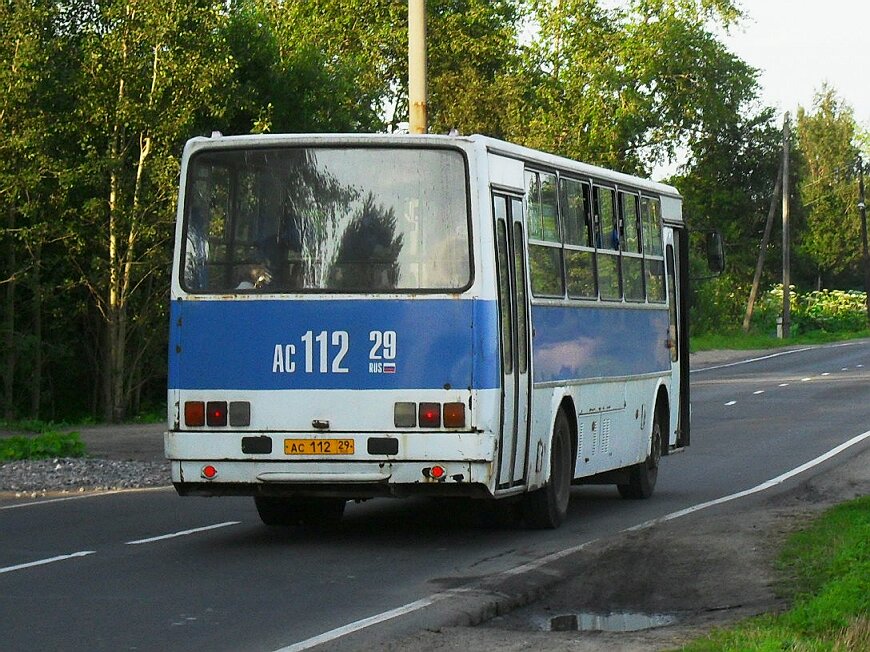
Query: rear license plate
[(318, 446)]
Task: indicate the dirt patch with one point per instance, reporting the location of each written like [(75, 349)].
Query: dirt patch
[(706, 570)]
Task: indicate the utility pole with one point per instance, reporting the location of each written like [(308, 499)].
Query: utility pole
[(866, 256), (786, 249), (768, 227), (417, 119)]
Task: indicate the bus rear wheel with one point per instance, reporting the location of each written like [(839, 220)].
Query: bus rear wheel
[(546, 508), (642, 477), (286, 512)]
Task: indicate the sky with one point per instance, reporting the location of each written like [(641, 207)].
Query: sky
[(799, 44)]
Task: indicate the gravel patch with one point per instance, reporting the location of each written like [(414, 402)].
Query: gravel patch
[(67, 475)]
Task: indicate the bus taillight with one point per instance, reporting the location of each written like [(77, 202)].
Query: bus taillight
[(430, 415), (216, 413), (405, 415), (194, 413), (454, 415)]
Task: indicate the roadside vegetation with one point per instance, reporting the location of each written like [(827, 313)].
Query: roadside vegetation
[(49, 444), (826, 577), (817, 317)]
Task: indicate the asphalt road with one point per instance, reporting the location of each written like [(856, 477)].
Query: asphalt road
[(151, 571)]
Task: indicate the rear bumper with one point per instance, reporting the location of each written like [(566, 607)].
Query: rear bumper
[(466, 457)]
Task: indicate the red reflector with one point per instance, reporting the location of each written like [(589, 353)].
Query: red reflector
[(454, 415), (194, 413), (430, 415), (216, 413), (209, 472), (437, 472)]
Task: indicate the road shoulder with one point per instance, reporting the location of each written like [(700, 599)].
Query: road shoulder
[(707, 570)]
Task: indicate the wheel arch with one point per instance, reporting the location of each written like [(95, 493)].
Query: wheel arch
[(567, 405), (662, 411)]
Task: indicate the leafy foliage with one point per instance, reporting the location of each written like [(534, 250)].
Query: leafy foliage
[(624, 88), (831, 311), (46, 445), (97, 99), (831, 239)]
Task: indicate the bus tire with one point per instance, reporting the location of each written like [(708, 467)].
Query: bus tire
[(642, 477), (287, 512), (547, 507)]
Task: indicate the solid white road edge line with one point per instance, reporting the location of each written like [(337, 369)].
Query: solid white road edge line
[(759, 488), (768, 357), (182, 533), (425, 602), (50, 560), (95, 494), (367, 622)]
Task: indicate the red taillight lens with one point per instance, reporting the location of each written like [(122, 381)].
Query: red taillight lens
[(194, 413), (216, 413), (429, 415), (454, 415)]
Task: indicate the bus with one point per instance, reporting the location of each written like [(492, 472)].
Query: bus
[(355, 316)]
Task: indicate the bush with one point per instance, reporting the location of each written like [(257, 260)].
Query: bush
[(46, 445), (832, 311), (718, 306)]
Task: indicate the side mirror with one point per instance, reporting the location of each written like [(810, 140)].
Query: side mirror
[(715, 252)]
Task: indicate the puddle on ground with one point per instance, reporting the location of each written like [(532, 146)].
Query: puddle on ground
[(614, 622)]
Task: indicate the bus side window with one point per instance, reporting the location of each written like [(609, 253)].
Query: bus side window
[(608, 238), (632, 261), (579, 252), (650, 213), (544, 234)]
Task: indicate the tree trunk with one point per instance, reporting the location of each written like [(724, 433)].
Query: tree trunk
[(9, 327), (36, 377)]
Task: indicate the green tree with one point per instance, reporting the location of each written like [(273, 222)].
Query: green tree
[(151, 72), (727, 185), (626, 87), (472, 55), (284, 83), (827, 142), (37, 61)]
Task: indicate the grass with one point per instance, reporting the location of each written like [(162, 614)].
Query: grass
[(826, 576), (740, 341), (46, 445)]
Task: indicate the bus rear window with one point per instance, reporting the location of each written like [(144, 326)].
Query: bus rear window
[(357, 220)]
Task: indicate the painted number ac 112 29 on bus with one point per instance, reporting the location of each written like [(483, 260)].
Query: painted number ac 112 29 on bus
[(355, 316), (325, 352)]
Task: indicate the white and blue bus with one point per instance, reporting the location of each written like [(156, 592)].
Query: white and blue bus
[(355, 316)]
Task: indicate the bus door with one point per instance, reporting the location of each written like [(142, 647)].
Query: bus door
[(676, 338), (514, 320)]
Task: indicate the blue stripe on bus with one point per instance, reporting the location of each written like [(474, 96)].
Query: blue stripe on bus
[(262, 344), (573, 343)]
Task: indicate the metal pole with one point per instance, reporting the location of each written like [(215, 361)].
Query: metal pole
[(417, 120), (863, 211), (786, 253)]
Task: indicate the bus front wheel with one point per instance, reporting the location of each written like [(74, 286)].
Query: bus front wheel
[(642, 477), (548, 506), (286, 512)]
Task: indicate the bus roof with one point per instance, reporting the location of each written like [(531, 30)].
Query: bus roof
[(492, 145)]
